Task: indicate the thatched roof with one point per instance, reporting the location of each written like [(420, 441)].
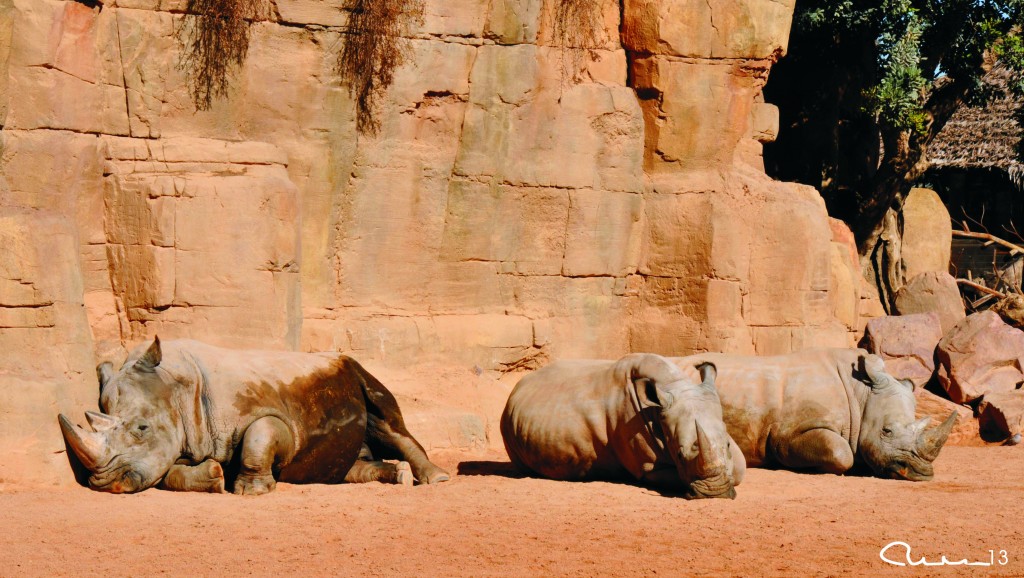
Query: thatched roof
[(990, 136)]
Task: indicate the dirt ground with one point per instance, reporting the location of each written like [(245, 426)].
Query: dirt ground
[(488, 522)]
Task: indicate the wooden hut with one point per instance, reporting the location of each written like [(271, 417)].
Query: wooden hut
[(977, 161)]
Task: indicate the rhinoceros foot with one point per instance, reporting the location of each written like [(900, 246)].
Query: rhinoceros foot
[(215, 473), (212, 477), (403, 474), (435, 475), (246, 485), (205, 477)]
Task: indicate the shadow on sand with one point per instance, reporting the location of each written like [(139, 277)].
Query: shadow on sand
[(507, 470), (486, 468)]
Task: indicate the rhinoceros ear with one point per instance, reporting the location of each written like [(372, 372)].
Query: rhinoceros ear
[(874, 367), (908, 384), (650, 395), (708, 374), (104, 372), (152, 357)]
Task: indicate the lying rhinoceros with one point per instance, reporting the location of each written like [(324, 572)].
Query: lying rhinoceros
[(824, 410), (638, 416), (180, 413)]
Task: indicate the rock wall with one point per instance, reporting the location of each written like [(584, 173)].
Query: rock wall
[(502, 216)]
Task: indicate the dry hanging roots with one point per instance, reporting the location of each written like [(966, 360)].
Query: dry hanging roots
[(374, 47), (215, 38), (578, 28)]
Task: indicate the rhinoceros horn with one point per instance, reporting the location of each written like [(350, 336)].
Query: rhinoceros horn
[(100, 421), (930, 442), (708, 462), (89, 446)]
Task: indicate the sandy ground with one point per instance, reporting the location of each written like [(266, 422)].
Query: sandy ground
[(489, 522)]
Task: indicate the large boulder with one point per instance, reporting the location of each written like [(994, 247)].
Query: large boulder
[(932, 291), (906, 343), (1001, 415), (981, 355), (927, 234)]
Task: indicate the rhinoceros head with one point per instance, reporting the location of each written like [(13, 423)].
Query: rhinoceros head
[(133, 445), (690, 416), (891, 442)]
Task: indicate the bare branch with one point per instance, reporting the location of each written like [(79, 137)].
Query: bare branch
[(980, 288)]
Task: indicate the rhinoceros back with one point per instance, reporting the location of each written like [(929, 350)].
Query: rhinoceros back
[(318, 396), (556, 421), (766, 400)]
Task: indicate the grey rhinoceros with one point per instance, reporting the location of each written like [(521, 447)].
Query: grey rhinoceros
[(184, 413), (824, 410), (638, 417)]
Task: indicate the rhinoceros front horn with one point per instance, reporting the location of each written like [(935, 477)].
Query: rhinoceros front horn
[(930, 441), (90, 447), (708, 461)]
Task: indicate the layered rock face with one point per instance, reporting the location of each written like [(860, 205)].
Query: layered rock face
[(502, 215), (46, 365)]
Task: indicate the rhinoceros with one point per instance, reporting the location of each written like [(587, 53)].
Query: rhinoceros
[(637, 417), (824, 410), (184, 413)]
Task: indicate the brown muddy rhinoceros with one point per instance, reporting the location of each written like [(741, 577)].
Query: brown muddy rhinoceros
[(183, 414), (824, 410), (638, 417)]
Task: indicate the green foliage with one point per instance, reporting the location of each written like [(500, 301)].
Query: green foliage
[(864, 72), (913, 43), (897, 98), (1010, 50)]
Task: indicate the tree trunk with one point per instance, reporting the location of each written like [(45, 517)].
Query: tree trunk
[(878, 225)]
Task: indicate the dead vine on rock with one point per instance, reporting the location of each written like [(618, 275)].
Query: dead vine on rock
[(375, 45), (578, 28), (214, 37)]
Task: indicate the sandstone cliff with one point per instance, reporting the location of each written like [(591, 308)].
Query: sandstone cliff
[(500, 217)]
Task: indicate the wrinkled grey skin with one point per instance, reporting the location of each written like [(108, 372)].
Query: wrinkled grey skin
[(584, 420), (187, 415), (824, 410)]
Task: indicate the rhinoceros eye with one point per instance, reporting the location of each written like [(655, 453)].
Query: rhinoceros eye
[(140, 431), (887, 431)]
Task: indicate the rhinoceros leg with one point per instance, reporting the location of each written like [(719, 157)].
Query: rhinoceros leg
[(374, 471), (388, 437), (266, 442), (820, 449), (205, 477)]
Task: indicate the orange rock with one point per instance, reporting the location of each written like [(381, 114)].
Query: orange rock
[(907, 344), (1001, 414), (981, 355), (935, 291)]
